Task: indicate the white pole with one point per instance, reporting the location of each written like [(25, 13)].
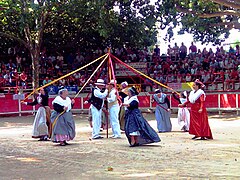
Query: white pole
[(219, 105), (237, 104), (19, 106)]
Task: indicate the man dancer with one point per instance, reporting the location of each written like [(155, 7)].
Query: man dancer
[(114, 110), (96, 107)]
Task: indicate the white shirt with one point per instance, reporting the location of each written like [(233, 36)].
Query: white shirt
[(112, 96), (63, 102)]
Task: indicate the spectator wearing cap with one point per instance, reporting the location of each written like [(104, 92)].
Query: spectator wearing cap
[(114, 108), (162, 112), (97, 102)]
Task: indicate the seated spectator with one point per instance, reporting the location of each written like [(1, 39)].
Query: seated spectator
[(188, 78), (233, 79), (23, 79), (7, 78), (206, 78), (46, 80)]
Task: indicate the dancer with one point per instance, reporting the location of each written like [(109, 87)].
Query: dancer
[(42, 124), (97, 101), (183, 112), (104, 115), (62, 120), (199, 125), (123, 94), (113, 109), (162, 112), (137, 129)]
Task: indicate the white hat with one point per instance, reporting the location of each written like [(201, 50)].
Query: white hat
[(113, 82), (124, 83), (157, 91), (100, 82)]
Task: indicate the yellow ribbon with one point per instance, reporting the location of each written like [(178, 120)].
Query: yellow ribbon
[(52, 82)]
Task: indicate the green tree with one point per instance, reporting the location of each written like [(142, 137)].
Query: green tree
[(24, 21), (59, 24), (206, 20)]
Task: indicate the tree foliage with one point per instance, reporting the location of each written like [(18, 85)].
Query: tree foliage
[(61, 24), (206, 20)]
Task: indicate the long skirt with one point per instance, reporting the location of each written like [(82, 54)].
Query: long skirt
[(63, 126), (184, 118), (135, 123), (199, 125), (48, 119), (163, 119), (121, 117), (40, 127)]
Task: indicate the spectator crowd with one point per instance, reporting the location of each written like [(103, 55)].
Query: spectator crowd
[(180, 64)]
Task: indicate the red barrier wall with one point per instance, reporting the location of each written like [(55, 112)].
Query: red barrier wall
[(7, 104)]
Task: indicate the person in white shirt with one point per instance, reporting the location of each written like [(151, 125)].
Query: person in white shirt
[(114, 109), (97, 102)]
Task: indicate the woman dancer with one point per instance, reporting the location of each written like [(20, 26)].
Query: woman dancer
[(183, 112), (162, 112), (137, 129), (198, 115), (42, 124), (62, 120)]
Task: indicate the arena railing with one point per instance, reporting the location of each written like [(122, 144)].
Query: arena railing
[(215, 102)]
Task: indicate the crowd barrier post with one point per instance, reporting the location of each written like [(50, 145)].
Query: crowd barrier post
[(219, 104), (237, 104), (19, 107)]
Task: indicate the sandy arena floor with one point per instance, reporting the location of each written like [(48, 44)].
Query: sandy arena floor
[(177, 156)]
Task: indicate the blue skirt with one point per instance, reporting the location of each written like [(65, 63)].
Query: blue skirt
[(134, 121)]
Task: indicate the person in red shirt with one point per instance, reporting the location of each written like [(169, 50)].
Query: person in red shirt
[(23, 79), (233, 78)]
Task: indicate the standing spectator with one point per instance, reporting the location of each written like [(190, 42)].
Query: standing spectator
[(183, 51), (237, 50), (176, 51), (192, 50), (199, 125), (157, 51), (162, 112), (19, 63), (170, 51)]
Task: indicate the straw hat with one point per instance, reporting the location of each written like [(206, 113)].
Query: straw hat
[(100, 82)]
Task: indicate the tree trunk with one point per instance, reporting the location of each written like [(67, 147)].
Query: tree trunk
[(35, 67)]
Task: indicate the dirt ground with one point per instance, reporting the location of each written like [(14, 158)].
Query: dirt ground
[(177, 156)]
